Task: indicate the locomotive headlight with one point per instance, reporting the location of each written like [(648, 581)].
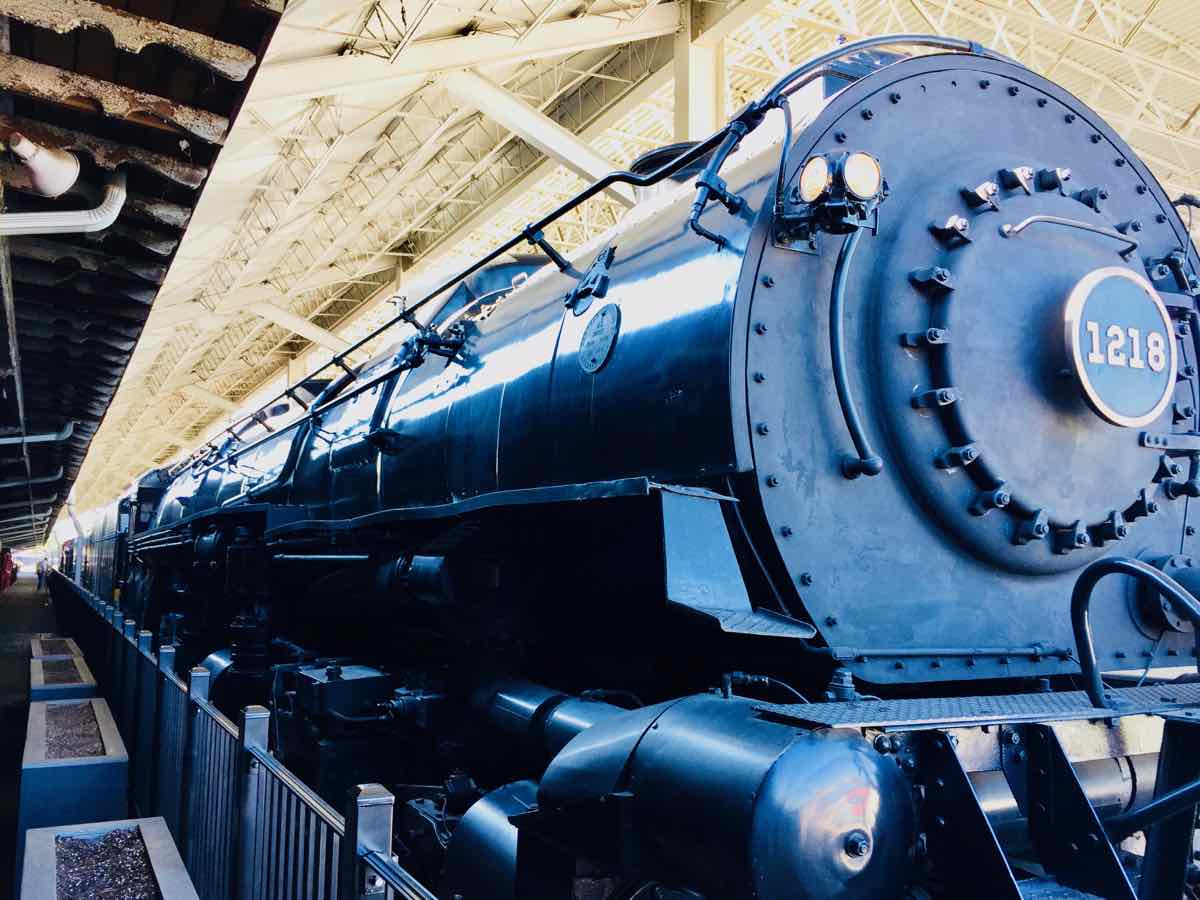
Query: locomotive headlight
[(862, 175), (815, 179)]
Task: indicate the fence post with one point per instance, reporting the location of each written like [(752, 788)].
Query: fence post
[(198, 679), (198, 682), (166, 663), (368, 829), (253, 729)]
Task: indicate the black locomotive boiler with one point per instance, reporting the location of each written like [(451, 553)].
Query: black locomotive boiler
[(760, 549)]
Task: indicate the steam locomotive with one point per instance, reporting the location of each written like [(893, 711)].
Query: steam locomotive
[(761, 549)]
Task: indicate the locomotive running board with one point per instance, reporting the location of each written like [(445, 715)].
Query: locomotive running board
[(942, 712)]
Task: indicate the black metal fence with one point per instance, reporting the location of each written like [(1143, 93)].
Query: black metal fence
[(246, 827)]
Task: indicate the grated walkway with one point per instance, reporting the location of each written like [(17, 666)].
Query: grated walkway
[(24, 613)]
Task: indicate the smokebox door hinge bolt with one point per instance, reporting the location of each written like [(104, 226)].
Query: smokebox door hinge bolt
[(935, 398), (1034, 528), (1111, 529), (928, 338), (955, 232), (957, 457), (935, 281), (1075, 537), (985, 501), (1018, 177), (1173, 267), (982, 196), (1167, 468), (1092, 197), (1143, 506), (1054, 180)]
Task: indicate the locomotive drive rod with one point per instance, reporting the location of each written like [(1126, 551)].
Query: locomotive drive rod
[(546, 720)]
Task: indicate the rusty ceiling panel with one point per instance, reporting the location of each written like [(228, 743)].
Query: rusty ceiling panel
[(133, 33), (34, 79), (153, 102), (86, 260), (105, 154)]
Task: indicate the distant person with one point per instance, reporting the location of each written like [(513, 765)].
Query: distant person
[(42, 567)]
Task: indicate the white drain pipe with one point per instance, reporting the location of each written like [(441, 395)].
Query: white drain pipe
[(53, 173)]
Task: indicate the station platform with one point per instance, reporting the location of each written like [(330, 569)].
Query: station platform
[(24, 612)]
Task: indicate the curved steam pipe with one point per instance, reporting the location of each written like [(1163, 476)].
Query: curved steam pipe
[(1081, 598)]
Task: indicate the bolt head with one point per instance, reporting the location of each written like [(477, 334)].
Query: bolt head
[(1082, 540), (831, 621), (868, 114), (786, 531), (1122, 531), (1189, 530), (768, 281), (1152, 506), (764, 428), (1013, 90), (985, 84), (894, 96), (858, 844), (883, 743), (760, 328), (1002, 498), (840, 137), (945, 396), (806, 578), (759, 377), (1041, 529), (1069, 118), (772, 481)]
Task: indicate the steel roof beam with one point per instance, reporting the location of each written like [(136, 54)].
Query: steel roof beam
[(300, 326), (473, 90), (201, 394), (329, 75), (699, 79)]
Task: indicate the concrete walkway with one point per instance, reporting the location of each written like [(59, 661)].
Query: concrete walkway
[(24, 612)]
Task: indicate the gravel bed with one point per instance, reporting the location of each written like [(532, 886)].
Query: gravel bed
[(60, 671), (113, 866), (72, 731)]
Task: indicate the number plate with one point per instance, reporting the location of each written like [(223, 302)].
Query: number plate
[(1122, 344)]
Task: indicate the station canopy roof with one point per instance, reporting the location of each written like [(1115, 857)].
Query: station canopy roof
[(382, 141)]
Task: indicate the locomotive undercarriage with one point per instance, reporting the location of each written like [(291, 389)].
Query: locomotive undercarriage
[(1005, 795)]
